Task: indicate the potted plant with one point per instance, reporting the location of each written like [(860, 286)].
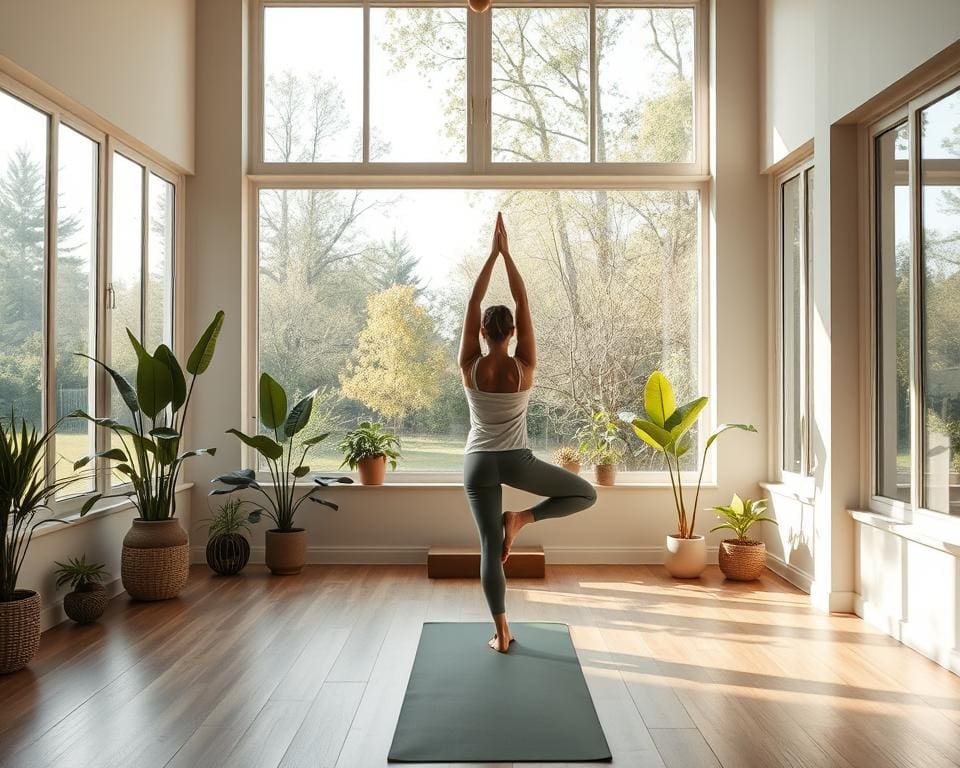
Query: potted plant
[(602, 445), (742, 559), (568, 457), (88, 600), (666, 428), (368, 448), (286, 544), (228, 550), (156, 560), (26, 491)]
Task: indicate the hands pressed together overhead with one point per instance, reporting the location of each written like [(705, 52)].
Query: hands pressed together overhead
[(499, 245)]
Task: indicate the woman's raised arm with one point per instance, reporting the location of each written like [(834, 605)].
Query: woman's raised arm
[(470, 338), (526, 351)]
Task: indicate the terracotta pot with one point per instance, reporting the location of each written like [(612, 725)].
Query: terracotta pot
[(86, 604), (685, 558), (228, 553), (479, 5), (742, 560), (372, 470), (156, 559), (571, 466), (19, 630), (606, 474), (286, 551)]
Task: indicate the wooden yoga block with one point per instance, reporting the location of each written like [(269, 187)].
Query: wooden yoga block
[(464, 563)]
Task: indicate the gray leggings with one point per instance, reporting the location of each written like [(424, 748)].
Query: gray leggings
[(484, 474)]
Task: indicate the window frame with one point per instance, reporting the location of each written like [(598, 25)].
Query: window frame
[(479, 67), (797, 170), (915, 510), (108, 141)]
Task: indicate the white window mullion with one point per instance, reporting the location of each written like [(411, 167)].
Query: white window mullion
[(48, 382), (593, 82), (366, 83), (918, 492)]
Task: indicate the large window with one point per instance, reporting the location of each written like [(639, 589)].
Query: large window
[(387, 136), (67, 284), (916, 244), (575, 85), (795, 236), (362, 294)]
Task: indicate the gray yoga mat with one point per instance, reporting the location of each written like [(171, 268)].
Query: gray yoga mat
[(467, 703)]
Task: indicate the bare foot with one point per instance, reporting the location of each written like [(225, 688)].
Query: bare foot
[(500, 645), (512, 523)]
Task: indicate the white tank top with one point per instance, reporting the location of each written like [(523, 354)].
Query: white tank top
[(498, 420)]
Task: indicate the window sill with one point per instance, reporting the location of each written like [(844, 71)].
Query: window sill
[(430, 482), (100, 512), (945, 539)]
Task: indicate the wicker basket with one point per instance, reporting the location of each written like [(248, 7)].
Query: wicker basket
[(19, 630), (86, 604), (227, 554), (742, 560), (156, 559)]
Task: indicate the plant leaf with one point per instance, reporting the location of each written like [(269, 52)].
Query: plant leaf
[(266, 446), (197, 452), (315, 439), (124, 387), (324, 502), (326, 481), (237, 477), (652, 434), (273, 402), (301, 471), (202, 353), (685, 417), (723, 428), (165, 355), (658, 399), (154, 380), (164, 433), (114, 454), (299, 415), (88, 504)]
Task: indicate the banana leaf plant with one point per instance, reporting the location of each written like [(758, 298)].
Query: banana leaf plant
[(279, 500), (149, 453), (26, 491), (666, 427)]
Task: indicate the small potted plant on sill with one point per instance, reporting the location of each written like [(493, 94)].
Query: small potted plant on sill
[(367, 448), (568, 457), (742, 559), (286, 544), (602, 445), (666, 427), (155, 562), (228, 550), (26, 492), (88, 599)]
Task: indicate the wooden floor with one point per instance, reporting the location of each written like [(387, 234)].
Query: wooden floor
[(310, 671)]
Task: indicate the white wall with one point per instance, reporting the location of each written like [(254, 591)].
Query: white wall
[(399, 524), (130, 62), (786, 77)]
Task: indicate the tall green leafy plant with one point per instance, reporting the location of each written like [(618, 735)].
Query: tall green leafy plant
[(26, 491), (599, 440), (666, 427), (280, 455), (149, 455)]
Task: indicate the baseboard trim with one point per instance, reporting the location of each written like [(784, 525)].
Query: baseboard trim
[(53, 614), (906, 633), (343, 555), (800, 579), (832, 601)]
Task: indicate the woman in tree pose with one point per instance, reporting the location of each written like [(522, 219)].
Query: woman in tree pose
[(497, 451)]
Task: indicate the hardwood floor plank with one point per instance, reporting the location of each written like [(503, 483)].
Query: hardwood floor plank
[(683, 748), (320, 738)]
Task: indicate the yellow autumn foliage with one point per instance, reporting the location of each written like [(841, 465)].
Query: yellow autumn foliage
[(398, 363)]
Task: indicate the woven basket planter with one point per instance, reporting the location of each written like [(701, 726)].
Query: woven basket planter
[(86, 604), (156, 559), (227, 554), (19, 630), (742, 560)]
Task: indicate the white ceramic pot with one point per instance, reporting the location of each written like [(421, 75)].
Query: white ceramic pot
[(685, 558)]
